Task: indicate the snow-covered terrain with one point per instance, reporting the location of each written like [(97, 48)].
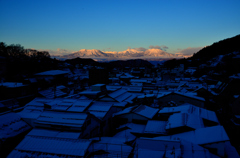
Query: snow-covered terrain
[(129, 53)]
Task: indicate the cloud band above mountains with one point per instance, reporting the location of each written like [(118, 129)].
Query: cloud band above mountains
[(189, 51)]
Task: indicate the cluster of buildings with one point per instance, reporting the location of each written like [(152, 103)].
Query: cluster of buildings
[(81, 113)]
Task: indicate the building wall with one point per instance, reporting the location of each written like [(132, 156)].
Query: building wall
[(14, 92), (236, 106), (90, 128), (219, 147), (97, 76), (107, 123)]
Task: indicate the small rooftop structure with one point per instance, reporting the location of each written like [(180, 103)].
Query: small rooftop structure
[(99, 87), (124, 75), (52, 93), (91, 94), (138, 80)]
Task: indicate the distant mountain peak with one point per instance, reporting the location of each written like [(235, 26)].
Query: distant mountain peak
[(129, 53)]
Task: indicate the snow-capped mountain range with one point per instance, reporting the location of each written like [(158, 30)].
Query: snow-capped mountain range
[(129, 53)]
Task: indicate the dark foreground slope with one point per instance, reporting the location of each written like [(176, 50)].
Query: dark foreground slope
[(222, 47)]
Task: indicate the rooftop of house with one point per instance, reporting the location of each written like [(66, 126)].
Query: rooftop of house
[(156, 127), (146, 111), (189, 95), (191, 109), (183, 119), (113, 146), (52, 73), (53, 133), (201, 136), (142, 110), (80, 105), (119, 95), (11, 125), (62, 118), (100, 109), (34, 146), (52, 93), (12, 84)]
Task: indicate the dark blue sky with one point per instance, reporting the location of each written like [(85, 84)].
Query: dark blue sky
[(115, 25)]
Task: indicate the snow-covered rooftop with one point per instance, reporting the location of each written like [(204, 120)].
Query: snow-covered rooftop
[(100, 109), (125, 111), (168, 146), (191, 109), (53, 146), (62, 118), (206, 135), (53, 133), (114, 147), (146, 111), (51, 93), (183, 119), (190, 95), (181, 108), (80, 105), (161, 94), (195, 151), (52, 73), (138, 80), (11, 125), (89, 92), (155, 127), (11, 84), (100, 106), (124, 75), (117, 93)]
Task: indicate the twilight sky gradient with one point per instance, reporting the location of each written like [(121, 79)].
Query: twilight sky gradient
[(63, 26)]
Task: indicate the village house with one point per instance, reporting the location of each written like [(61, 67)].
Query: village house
[(136, 114), (180, 98), (9, 90), (109, 147), (103, 111), (209, 118), (61, 114), (52, 77), (50, 143), (119, 97), (12, 129), (95, 91)]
